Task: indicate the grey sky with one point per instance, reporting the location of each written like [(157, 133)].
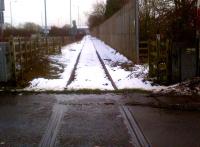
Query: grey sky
[(57, 11)]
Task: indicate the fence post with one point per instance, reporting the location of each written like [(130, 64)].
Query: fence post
[(13, 59), (26, 56), (198, 55), (37, 46), (30, 45), (169, 62), (158, 55), (149, 58), (60, 44), (46, 45), (20, 52), (137, 28), (53, 44), (180, 63)]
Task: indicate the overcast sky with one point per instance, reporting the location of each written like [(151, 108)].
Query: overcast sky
[(57, 11)]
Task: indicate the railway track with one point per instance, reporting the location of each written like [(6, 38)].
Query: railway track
[(101, 62), (105, 69), (75, 67)]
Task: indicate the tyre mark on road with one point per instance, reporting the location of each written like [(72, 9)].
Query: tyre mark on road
[(138, 138), (105, 69), (49, 137)]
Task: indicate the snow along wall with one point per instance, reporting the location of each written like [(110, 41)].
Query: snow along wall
[(119, 31)]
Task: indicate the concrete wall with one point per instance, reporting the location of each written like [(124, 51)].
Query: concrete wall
[(120, 31)]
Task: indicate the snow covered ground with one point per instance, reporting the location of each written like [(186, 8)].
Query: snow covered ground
[(187, 88), (68, 60), (132, 78), (89, 73)]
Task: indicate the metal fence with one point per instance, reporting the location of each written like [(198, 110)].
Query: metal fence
[(159, 62), (171, 62), (120, 31), (184, 62), (143, 52)]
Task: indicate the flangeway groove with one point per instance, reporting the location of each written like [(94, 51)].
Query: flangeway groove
[(49, 137), (138, 138)]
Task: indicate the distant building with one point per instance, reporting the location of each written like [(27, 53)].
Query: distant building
[(45, 30), (83, 30), (73, 29), (78, 32), (2, 6)]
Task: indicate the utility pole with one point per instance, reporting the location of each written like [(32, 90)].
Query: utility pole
[(2, 8), (11, 17), (11, 14), (78, 16), (45, 29), (70, 13)]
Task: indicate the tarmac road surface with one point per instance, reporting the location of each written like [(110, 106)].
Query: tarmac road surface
[(91, 120)]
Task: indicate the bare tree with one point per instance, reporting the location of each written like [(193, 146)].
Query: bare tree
[(97, 15), (174, 19), (31, 27)]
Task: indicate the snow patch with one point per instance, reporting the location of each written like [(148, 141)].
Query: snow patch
[(131, 78), (67, 59), (90, 73)]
